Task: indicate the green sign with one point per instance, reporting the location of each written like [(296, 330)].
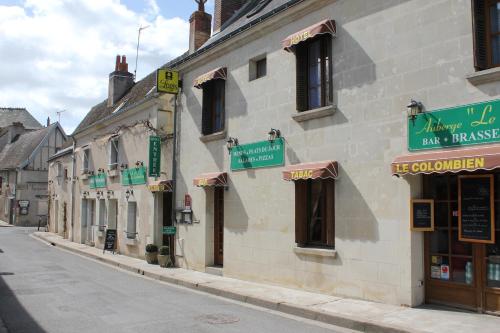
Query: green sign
[(154, 156), (167, 81), (134, 176), (458, 126), (98, 181), (258, 155), (169, 230)]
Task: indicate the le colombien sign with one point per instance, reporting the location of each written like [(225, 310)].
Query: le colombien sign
[(464, 125), (260, 154)]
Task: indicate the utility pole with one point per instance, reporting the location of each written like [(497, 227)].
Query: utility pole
[(137, 52)]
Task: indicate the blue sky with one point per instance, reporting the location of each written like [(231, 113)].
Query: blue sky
[(57, 54)]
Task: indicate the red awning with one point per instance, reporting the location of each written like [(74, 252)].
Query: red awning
[(211, 179), (219, 73), (322, 170), (456, 160), (323, 27), (161, 186)]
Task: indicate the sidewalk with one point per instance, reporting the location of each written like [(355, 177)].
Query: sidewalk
[(359, 315), (5, 224)]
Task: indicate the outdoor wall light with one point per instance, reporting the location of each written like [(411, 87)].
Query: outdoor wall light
[(100, 170), (110, 193), (123, 166), (274, 134), (414, 108), (128, 193), (139, 163), (99, 194), (231, 143), (85, 194)]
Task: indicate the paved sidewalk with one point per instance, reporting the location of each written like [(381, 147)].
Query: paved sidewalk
[(5, 224), (359, 315)]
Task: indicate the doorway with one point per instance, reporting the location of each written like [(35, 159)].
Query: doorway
[(168, 240), (56, 217), (471, 278), (218, 226)]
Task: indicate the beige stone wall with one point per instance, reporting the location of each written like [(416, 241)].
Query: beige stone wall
[(59, 188), (385, 53)]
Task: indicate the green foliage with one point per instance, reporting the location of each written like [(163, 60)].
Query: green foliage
[(150, 248), (164, 251)]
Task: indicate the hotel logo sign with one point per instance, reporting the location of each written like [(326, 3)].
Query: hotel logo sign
[(167, 81), (458, 126)]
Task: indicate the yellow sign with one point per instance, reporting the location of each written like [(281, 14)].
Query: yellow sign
[(441, 166), (203, 182), (302, 36), (302, 174), (167, 81), (158, 188)]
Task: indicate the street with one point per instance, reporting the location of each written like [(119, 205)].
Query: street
[(45, 289)]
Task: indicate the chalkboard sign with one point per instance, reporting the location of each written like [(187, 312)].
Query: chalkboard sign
[(110, 240), (476, 215), (422, 215)]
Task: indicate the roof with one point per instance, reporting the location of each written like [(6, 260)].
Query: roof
[(11, 115), (62, 152)]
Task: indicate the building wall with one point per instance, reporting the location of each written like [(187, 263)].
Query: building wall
[(60, 197), (385, 54), (133, 147)]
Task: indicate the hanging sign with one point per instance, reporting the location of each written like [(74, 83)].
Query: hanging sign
[(169, 230), (154, 156), (422, 215), (98, 181), (465, 125), (110, 240), (476, 215), (134, 176), (167, 81), (260, 154)]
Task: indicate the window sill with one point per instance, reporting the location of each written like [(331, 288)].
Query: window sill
[(131, 241), (325, 111), (213, 137), (484, 76), (315, 251)]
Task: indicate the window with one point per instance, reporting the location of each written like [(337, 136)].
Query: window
[(258, 68), (131, 220), (315, 213), (65, 173), (486, 33), (102, 214), (314, 73), (1, 184), (113, 153), (213, 107), (86, 158), (59, 170)]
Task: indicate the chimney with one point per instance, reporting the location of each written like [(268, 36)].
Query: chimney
[(48, 121), (120, 81), (224, 10), (200, 26), (16, 129)]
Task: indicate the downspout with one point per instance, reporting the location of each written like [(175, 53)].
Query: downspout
[(73, 166), (13, 207), (174, 169)]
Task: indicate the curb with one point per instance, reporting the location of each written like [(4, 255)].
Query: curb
[(344, 321)]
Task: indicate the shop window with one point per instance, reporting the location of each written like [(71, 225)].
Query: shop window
[(315, 213), (131, 220), (113, 154), (213, 107), (486, 33), (314, 73), (258, 68)]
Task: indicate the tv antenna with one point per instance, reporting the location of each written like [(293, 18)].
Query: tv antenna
[(137, 52), (59, 115)]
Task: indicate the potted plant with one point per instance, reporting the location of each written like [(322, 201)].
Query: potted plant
[(151, 254), (164, 256)]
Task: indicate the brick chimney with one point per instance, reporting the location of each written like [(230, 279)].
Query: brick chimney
[(224, 10), (120, 81), (200, 27), (16, 129)]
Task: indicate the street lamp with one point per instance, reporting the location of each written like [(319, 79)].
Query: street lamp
[(414, 108)]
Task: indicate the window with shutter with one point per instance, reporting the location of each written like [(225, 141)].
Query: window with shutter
[(213, 114), (131, 220), (314, 73), (486, 25)]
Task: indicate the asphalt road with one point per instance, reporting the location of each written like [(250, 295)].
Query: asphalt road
[(45, 289)]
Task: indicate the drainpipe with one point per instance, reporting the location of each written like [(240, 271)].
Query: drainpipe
[(174, 168), (73, 166)]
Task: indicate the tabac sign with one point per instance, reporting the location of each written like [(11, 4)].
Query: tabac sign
[(167, 81), (458, 126)]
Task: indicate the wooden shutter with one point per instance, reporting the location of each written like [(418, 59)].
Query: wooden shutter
[(301, 212), (330, 211), (302, 77), (479, 23), (206, 114)]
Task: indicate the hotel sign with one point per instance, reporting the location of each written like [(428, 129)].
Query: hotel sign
[(98, 181), (260, 154), (167, 81), (458, 126), (154, 156), (134, 176)]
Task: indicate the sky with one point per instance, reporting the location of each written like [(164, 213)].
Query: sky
[(56, 55)]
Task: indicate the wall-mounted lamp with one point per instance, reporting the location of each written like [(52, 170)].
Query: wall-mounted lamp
[(273, 134), (139, 163), (128, 193), (123, 166), (231, 143), (99, 194), (414, 108), (100, 170), (110, 193), (85, 194)]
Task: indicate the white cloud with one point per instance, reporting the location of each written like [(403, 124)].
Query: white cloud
[(57, 54)]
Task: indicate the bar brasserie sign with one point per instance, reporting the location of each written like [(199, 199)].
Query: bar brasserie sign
[(458, 126), (258, 155)]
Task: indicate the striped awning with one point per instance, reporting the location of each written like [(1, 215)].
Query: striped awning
[(456, 160), (161, 186), (211, 179), (316, 170), (219, 73), (323, 27)]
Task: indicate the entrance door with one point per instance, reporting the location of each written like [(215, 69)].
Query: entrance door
[(461, 274), (56, 216), (218, 226), (90, 220), (168, 240)]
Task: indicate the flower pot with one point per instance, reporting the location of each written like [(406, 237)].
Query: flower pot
[(163, 260), (152, 257)]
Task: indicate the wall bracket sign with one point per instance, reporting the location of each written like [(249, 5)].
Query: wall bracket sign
[(260, 154)]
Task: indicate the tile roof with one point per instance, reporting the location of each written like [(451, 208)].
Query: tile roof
[(11, 115), (17, 152)]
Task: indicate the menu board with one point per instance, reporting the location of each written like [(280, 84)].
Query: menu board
[(422, 215), (110, 240), (476, 218)]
